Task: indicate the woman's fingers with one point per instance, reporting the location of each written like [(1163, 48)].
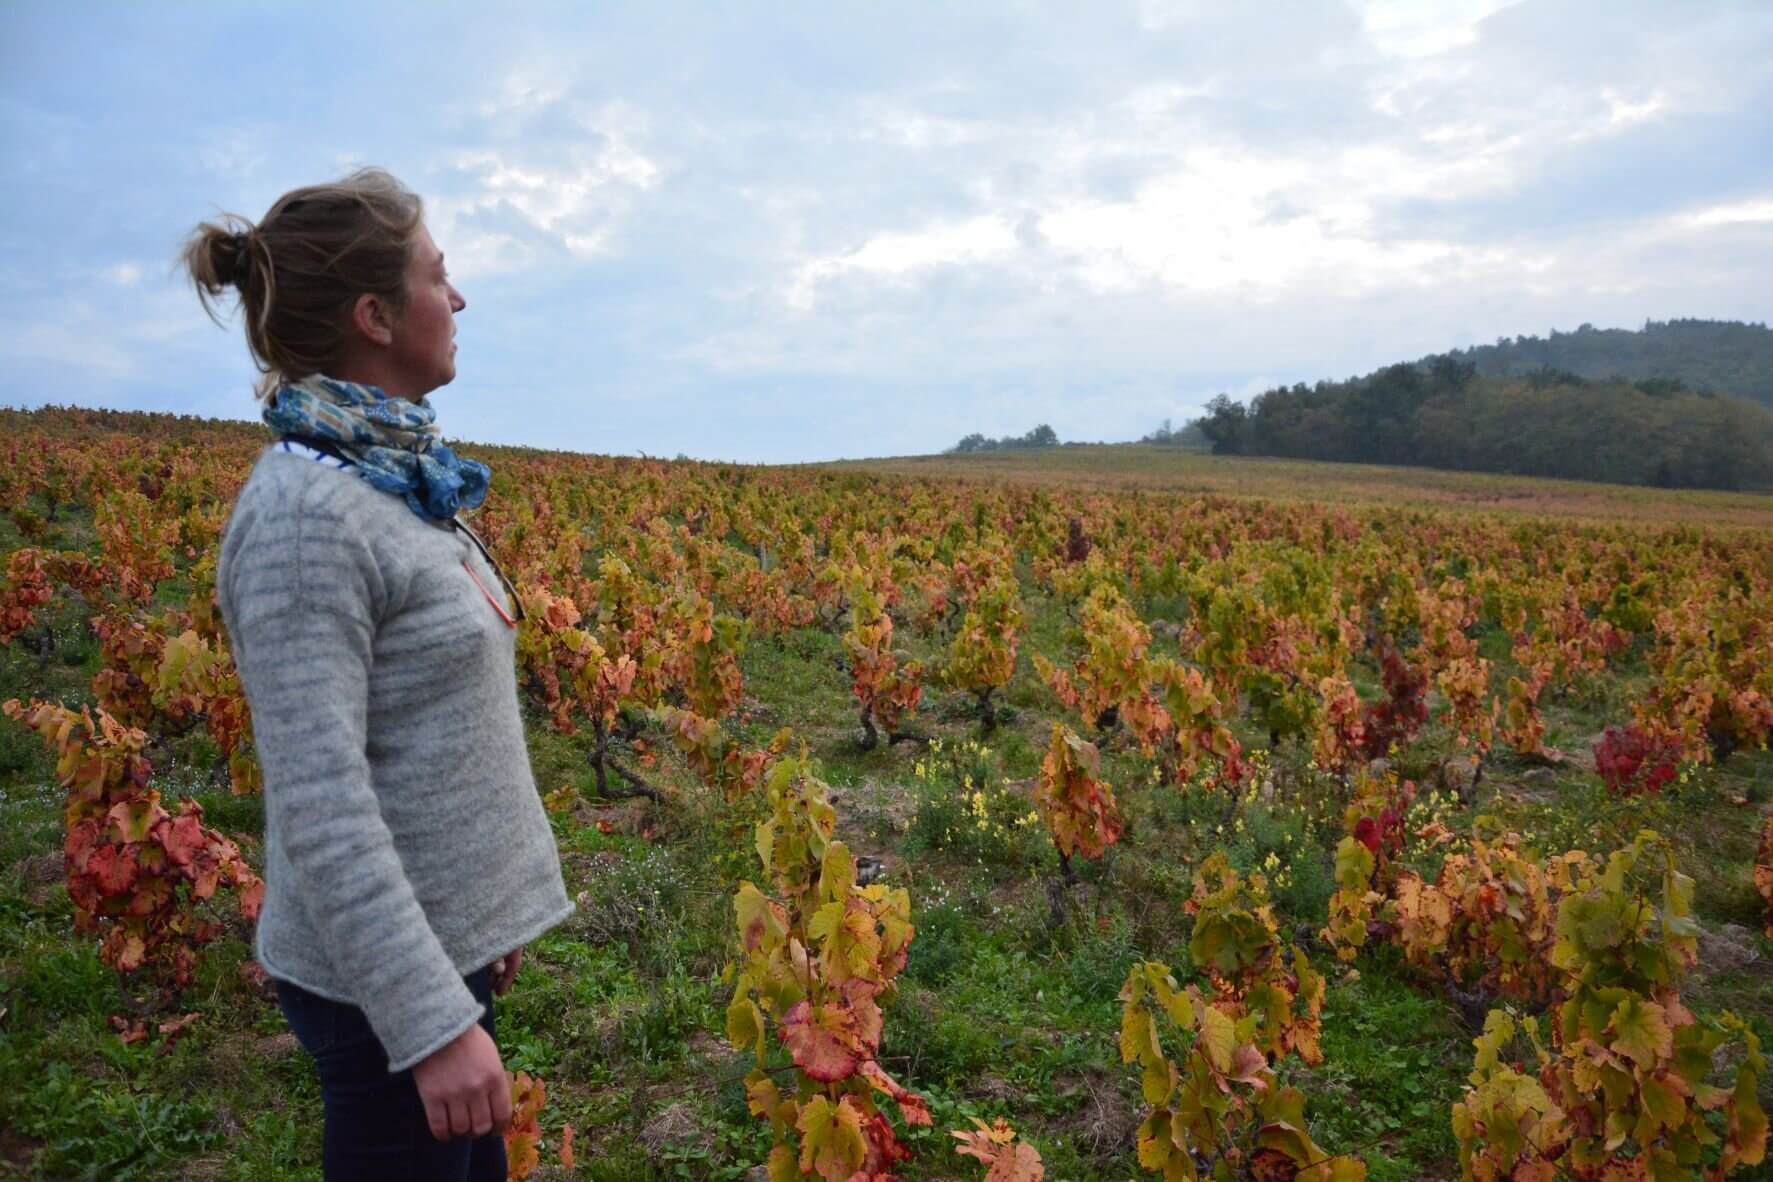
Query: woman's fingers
[(480, 1114), (461, 1117), (504, 971), (475, 1115), (437, 1116), (501, 1106)]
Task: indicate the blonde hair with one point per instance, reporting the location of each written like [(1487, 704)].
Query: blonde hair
[(299, 270)]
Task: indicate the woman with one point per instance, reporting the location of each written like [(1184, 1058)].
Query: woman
[(407, 855)]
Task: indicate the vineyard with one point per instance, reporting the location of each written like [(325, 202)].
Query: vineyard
[(965, 827)]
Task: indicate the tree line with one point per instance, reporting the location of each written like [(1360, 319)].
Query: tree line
[(1443, 413), (1723, 356), (1041, 436)]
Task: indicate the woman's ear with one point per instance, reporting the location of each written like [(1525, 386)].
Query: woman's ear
[(373, 319)]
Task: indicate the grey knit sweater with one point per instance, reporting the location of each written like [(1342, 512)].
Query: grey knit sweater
[(405, 844)]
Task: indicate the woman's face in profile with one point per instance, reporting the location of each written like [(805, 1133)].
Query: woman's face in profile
[(423, 347)]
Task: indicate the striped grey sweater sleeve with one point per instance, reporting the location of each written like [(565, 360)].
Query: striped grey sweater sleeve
[(303, 613)]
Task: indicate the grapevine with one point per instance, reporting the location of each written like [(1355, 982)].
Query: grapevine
[(820, 957), (1624, 1089), (135, 872)]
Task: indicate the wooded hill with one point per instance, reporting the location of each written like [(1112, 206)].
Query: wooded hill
[(1513, 407), (1722, 356)]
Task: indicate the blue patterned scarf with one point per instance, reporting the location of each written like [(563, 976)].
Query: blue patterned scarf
[(394, 444)]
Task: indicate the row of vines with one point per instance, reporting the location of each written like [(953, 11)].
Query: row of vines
[(1207, 634)]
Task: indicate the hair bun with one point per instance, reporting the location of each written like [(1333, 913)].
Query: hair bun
[(233, 257)]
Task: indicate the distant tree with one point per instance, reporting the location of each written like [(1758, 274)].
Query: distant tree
[(1224, 424), (1544, 377), (1449, 374), (1169, 435), (1661, 387), (1041, 436)]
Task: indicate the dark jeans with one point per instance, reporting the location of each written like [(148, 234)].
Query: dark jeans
[(375, 1122)]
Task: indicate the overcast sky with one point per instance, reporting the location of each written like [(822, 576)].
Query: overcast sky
[(781, 231)]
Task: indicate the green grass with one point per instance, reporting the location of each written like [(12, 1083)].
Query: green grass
[(1395, 1059)]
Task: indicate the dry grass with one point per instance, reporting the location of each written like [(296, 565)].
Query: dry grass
[(1127, 466)]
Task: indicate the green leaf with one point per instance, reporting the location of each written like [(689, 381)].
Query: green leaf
[(1159, 1147), (1174, 1001), (1662, 1101), (1746, 1122), (1229, 942), (763, 924), (1640, 1031), (744, 1026), (766, 843), (837, 873), (1498, 1029), (1663, 1167), (826, 920), (1158, 1081), (831, 1144), (1218, 1034), (1604, 922), (1354, 865), (1138, 1037)]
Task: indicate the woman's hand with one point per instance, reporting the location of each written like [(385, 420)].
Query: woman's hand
[(463, 1087), (504, 971)]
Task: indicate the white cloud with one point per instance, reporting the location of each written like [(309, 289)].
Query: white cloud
[(1424, 28), (907, 127), (1734, 214), (573, 192), (1623, 111), (1217, 218), (1164, 100), (1164, 14), (1195, 232), (124, 274), (898, 254)]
